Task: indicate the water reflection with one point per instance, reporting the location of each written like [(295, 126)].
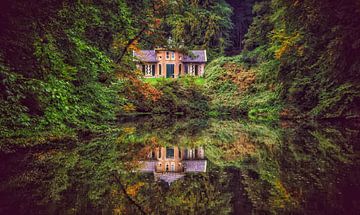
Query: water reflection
[(243, 167), (172, 163)]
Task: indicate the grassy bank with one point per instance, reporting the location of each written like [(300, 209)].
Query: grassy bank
[(153, 81)]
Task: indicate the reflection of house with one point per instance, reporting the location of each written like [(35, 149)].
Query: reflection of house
[(171, 163), (170, 63)]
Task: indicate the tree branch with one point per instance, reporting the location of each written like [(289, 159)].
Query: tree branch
[(127, 195), (128, 44)]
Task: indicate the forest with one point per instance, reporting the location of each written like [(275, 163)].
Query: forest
[(68, 79), (68, 65)]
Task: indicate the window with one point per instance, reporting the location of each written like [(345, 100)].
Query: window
[(143, 69), (192, 69), (149, 70), (196, 70), (179, 153), (169, 152), (168, 55), (159, 69), (179, 69), (153, 70)]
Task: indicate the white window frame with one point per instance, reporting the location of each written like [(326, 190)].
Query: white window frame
[(148, 70), (172, 55)]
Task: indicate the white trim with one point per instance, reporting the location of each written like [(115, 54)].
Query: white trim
[(205, 55)]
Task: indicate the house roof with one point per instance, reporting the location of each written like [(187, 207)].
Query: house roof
[(147, 166), (194, 165), (146, 55), (199, 56)]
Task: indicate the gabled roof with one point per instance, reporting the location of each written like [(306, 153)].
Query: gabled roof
[(168, 177), (146, 55), (199, 57)]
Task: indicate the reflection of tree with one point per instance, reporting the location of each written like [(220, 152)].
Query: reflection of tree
[(254, 168), (195, 194)]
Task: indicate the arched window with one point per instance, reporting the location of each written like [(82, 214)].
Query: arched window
[(159, 69)]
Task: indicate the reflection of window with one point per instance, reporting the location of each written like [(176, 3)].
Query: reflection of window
[(169, 152), (159, 153)]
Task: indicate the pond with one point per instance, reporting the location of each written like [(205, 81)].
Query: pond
[(169, 165)]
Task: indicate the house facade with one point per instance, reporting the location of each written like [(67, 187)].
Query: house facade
[(170, 63)]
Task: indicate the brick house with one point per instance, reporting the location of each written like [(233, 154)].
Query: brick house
[(170, 63)]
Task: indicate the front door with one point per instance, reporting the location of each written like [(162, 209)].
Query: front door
[(169, 70)]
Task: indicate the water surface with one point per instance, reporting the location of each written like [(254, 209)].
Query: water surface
[(251, 168)]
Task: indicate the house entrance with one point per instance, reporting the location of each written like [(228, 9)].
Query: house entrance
[(170, 70)]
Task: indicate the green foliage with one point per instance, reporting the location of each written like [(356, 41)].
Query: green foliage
[(303, 58), (200, 25), (66, 75), (259, 98), (184, 95), (317, 55)]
